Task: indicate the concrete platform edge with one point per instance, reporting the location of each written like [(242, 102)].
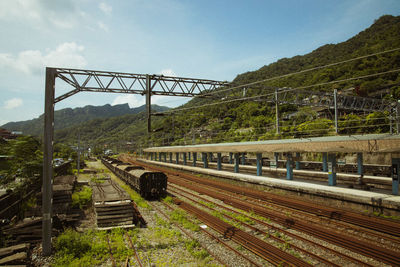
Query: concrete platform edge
[(379, 200)]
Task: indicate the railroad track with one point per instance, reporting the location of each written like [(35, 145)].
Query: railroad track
[(183, 193), (390, 241), (219, 240), (131, 246), (250, 242), (384, 226), (188, 234), (353, 244), (348, 242)]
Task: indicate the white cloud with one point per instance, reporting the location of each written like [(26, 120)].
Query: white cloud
[(40, 13), (132, 100), (68, 55), (168, 72), (103, 26), (169, 101), (107, 9), (13, 103)]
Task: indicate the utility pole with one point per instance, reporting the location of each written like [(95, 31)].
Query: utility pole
[(47, 188), (336, 110), (277, 111), (397, 118), (79, 154)]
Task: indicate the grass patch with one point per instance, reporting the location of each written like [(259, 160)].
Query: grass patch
[(91, 248), (168, 199), (82, 197), (220, 216), (193, 246), (180, 217), (141, 202)]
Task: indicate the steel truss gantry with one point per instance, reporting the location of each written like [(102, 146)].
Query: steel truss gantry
[(327, 100), (109, 82)]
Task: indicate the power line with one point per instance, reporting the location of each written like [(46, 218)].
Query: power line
[(343, 80), (282, 91), (304, 71)]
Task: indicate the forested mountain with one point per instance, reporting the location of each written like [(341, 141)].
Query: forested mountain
[(68, 117), (255, 120)]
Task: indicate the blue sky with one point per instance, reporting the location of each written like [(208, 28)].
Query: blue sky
[(202, 39)]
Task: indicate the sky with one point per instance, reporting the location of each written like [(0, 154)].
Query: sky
[(205, 39)]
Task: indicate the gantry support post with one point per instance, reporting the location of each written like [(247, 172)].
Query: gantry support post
[(148, 102), (297, 161), (170, 157), (276, 156), (360, 166), (189, 155), (194, 158), (205, 161), (159, 156), (325, 162), (395, 175), (177, 157), (243, 158), (219, 159), (184, 158), (230, 157), (259, 164), (332, 169), (47, 187), (165, 156), (289, 167), (236, 167)]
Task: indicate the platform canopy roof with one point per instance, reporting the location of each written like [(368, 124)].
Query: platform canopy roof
[(372, 143)]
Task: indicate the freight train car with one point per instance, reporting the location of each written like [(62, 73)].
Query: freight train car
[(148, 184)]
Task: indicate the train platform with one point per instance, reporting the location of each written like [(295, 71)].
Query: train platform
[(376, 181), (372, 201)]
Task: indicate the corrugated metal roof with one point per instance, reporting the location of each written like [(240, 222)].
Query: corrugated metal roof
[(372, 143)]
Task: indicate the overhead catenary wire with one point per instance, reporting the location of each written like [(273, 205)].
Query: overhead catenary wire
[(280, 91), (304, 71)]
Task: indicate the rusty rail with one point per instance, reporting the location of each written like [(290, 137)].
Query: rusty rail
[(134, 250), (269, 225), (223, 243), (190, 236), (257, 246)]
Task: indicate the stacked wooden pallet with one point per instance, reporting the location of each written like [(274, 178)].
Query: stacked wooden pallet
[(30, 229), (15, 255), (112, 205)]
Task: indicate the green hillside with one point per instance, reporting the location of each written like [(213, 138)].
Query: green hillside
[(252, 120), (68, 117), (249, 120)]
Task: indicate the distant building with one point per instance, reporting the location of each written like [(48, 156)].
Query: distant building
[(5, 134)]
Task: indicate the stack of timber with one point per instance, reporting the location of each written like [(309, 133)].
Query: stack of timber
[(30, 229), (15, 255), (63, 187), (112, 205), (11, 202)]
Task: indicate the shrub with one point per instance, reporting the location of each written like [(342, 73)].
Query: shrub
[(82, 197)]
